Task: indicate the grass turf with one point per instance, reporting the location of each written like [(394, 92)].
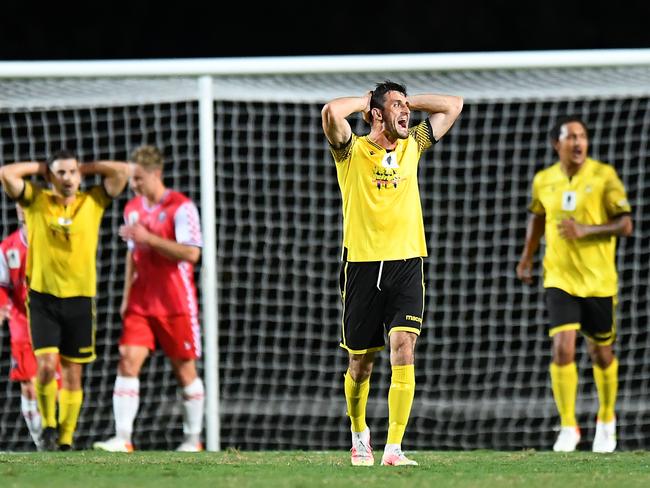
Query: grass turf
[(232, 468)]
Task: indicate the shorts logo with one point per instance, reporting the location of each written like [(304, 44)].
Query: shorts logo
[(414, 318)]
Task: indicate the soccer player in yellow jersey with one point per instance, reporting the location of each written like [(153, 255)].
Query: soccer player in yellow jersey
[(382, 282), (62, 233), (579, 205)]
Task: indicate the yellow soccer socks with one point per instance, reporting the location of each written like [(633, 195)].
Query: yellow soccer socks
[(69, 408), (400, 400), (607, 385), (46, 398), (356, 397), (564, 380)]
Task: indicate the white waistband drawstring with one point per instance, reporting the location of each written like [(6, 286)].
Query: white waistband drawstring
[(381, 268)]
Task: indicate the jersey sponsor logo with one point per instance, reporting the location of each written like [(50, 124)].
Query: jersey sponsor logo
[(413, 318), (385, 177), (13, 258)]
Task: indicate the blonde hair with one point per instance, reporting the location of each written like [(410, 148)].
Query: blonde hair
[(149, 157)]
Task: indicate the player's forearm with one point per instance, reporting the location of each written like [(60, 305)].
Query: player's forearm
[(534, 233), (174, 250), (621, 226), (436, 104), (343, 107), (114, 173), (12, 176)]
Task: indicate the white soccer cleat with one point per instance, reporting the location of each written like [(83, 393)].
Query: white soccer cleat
[(605, 438), (396, 458), (567, 440), (188, 446), (114, 444), (361, 454)]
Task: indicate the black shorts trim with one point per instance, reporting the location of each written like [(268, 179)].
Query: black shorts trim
[(66, 325)]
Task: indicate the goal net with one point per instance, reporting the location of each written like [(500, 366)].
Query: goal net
[(482, 359)]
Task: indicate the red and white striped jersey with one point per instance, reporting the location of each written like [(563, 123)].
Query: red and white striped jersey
[(162, 286)]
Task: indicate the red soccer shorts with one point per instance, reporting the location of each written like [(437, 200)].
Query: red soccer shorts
[(178, 336), (23, 362)]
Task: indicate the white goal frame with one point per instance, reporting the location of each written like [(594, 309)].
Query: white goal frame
[(207, 73)]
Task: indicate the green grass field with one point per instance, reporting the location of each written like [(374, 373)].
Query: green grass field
[(480, 469)]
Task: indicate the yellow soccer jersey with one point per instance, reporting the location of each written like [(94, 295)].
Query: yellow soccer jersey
[(593, 196), (382, 213), (62, 240)]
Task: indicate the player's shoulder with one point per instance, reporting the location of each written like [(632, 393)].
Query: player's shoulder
[(11, 240), (601, 167), (176, 197), (135, 202), (548, 172)]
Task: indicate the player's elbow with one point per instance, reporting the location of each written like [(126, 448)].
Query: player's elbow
[(456, 105), (627, 227), (326, 114)]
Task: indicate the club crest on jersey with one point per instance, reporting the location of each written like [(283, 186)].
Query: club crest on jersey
[(133, 217), (13, 258), (389, 161), (162, 216)]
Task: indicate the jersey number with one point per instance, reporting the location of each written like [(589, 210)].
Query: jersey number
[(569, 199)]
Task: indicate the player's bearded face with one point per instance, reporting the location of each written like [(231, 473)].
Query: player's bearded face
[(572, 144), (65, 176)]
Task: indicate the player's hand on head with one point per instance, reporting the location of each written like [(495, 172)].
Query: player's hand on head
[(366, 111)]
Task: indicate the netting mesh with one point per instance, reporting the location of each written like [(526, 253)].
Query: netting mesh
[(482, 360)]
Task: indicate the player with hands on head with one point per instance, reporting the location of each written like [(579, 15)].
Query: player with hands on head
[(382, 276), (579, 205), (159, 303), (62, 236)]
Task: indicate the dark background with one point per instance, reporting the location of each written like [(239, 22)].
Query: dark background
[(148, 29)]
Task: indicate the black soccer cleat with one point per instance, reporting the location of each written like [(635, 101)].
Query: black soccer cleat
[(49, 438), (65, 447)]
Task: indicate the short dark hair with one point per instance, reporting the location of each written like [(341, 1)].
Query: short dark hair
[(554, 133), (61, 154), (380, 91)]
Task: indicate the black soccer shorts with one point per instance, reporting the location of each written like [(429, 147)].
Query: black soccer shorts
[(63, 325), (592, 316), (378, 299)]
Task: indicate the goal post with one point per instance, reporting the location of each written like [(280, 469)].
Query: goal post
[(243, 139)]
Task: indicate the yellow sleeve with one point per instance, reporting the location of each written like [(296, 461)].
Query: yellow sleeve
[(423, 134), (30, 192), (342, 154), (616, 202), (100, 196), (535, 205)]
